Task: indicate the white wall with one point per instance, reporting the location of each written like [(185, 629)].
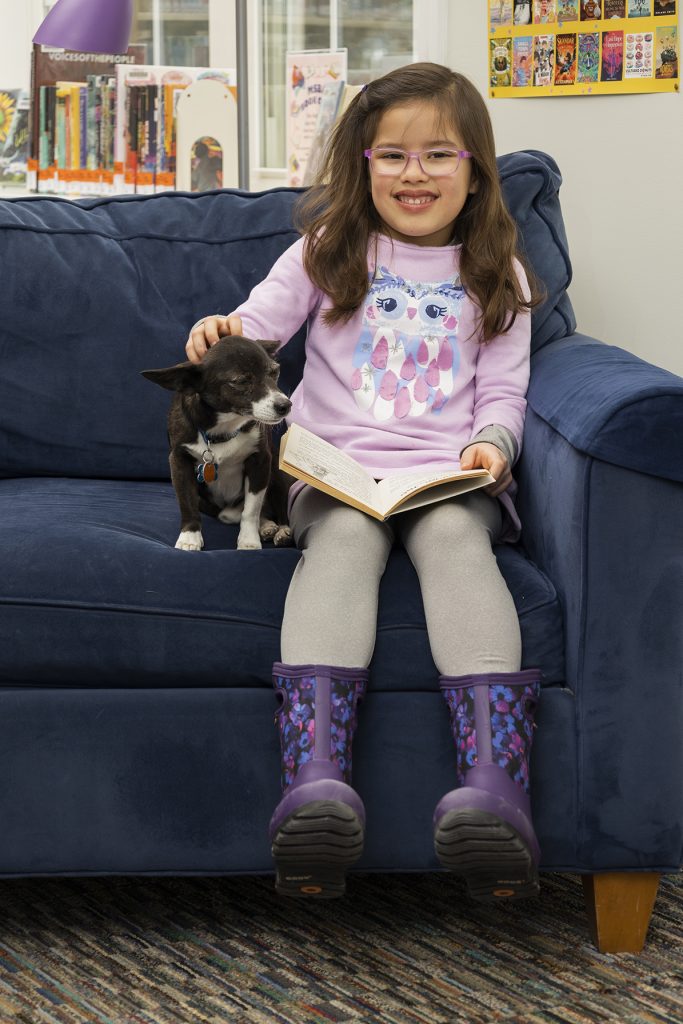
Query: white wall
[(19, 21), (621, 159)]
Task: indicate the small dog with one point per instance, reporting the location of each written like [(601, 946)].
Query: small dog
[(220, 444)]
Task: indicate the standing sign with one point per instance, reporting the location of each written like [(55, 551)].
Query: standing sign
[(307, 74)]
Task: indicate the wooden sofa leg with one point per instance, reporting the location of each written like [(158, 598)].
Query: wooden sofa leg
[(619, 906)]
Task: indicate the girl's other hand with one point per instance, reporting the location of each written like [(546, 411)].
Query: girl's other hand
[(486, 456), (207, 332)]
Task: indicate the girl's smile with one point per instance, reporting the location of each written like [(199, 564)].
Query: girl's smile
[(413, 206)]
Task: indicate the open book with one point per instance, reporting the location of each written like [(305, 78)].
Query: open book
[(307, 457)]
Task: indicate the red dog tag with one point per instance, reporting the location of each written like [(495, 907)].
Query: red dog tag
[(210, 472)]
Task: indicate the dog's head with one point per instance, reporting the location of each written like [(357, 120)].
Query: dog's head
[(237, 375)]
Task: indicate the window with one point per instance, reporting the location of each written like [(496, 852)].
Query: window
[(174, 32), (378, 36)]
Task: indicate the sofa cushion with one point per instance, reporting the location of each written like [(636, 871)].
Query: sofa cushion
[(96, 290), (94, 594)]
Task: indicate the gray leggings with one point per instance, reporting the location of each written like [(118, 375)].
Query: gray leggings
[(331, 608)]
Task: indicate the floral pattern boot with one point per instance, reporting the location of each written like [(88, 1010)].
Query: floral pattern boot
[(316, 830), (483, 830)]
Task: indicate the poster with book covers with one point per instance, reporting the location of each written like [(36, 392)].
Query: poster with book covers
[(522, 12), (565, 58), (639, 55), (583, 48), (666, 48), (612, 57), (500, 13), (523, 61), (544, 61), (591, 10), (588, 58), (500, 62), (545, 12), (567, 10)]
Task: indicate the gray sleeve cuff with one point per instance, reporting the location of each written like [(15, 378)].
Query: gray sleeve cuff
[(501, 437)]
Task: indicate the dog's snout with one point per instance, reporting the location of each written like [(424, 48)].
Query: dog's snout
[(282, 405)]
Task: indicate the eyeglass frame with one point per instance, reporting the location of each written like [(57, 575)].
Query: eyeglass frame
[(462, 154)]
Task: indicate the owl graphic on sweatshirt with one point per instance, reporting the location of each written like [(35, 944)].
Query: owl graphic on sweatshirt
[(407, 356)]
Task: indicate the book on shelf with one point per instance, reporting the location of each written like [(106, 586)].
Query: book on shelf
[(146, 129), (315, 461), (105, 124), (86, 163)]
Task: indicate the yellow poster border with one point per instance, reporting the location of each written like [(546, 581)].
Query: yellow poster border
[(624, 87)]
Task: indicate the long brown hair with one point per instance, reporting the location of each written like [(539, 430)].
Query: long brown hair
[(338, 215)]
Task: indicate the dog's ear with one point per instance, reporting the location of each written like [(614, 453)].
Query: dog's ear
[(182, 377), (270, 347)]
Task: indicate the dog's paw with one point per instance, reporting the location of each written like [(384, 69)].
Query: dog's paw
[(283, 537), (248, 540), (190, 540), (268, 529)]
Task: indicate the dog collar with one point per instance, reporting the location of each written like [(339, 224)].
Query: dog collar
[(207, 469), (226, 437)]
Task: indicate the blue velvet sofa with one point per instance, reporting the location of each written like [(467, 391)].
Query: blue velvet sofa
[(136, 706)]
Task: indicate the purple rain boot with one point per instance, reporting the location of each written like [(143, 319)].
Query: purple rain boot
[(483, 830), (316, 830)]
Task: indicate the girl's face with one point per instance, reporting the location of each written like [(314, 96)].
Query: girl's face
[(412, 206)]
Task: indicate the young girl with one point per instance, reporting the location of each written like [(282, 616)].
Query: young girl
[(417, 354)]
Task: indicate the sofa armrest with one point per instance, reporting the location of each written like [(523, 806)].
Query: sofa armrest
[(601, 505), (610, 404)]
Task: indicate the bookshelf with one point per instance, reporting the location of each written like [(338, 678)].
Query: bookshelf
[(106, 124)]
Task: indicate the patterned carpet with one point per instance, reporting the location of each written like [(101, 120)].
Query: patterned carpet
[(401, 949)]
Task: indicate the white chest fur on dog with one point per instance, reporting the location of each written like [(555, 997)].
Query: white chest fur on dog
[(229, 456)]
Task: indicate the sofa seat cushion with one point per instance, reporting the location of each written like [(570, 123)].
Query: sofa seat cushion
[(94, 594)]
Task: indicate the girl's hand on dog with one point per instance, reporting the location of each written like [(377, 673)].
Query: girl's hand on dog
[(486, 456), (207, 332)]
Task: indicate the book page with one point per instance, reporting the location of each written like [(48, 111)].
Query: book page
[(322, 461), (394, 489)]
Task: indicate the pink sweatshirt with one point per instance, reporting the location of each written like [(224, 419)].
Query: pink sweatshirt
[(404, 383)]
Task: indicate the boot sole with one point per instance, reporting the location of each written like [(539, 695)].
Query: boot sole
[(490, 854), (314, 847)]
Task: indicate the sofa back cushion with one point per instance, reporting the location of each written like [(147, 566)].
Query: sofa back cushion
[(95, 291)]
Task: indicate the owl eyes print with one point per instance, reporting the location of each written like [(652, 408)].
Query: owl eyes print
[(407, 354)]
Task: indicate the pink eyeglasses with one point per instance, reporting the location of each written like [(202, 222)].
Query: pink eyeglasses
[(434, 163)]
